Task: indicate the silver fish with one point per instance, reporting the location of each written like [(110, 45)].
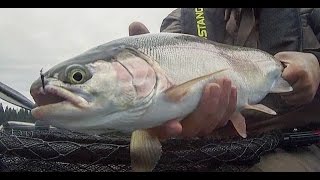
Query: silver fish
[(139, 82)]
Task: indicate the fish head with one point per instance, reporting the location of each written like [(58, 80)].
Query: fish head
[(85, 92)]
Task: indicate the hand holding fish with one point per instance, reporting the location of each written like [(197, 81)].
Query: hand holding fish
[(217, 104), (303, 73)]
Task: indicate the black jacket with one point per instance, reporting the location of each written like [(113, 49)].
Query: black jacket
[(279, 29)]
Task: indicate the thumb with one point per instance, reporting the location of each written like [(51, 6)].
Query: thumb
[(169, 129), (289, 74), (284, 57), (137, 28)]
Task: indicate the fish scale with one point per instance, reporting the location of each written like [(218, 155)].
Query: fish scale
[(181, 64)]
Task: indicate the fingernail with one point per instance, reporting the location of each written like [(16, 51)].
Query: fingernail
[(233, 91), (215, 90), (173, 129), (226, 82), (207, 88)]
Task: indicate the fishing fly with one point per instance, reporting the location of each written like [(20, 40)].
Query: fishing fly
[(42, 78)]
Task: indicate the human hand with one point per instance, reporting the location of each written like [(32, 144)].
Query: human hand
[(303, 73), (216, 106), (137, 28)]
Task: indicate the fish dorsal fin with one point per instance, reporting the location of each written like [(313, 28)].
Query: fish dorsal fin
[(145, 151), (176, 93), (281, 86), (261, 107)]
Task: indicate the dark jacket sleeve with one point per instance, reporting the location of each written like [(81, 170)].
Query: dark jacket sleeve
[(310, 20), (172, 22)]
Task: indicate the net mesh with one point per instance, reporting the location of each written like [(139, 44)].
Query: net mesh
[(57, 150)]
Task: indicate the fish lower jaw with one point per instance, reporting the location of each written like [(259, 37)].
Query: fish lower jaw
[(40, 112)]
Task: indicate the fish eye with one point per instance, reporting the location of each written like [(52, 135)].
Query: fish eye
[(77, 76)]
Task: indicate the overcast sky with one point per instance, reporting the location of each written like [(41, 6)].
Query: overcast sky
[(34, 38)]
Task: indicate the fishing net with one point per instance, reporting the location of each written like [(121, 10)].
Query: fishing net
[(60, 150), (44, 149)]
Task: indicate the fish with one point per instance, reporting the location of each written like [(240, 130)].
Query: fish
[(138, 82)]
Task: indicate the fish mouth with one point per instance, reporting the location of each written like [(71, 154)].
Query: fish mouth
[(54, 95)]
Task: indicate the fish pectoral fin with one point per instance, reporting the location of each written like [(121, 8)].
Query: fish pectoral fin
[(261, 107), (281, 86), (239, 123), (176, 93), (145, 151)]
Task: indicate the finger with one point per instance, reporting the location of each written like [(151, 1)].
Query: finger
[(300, 98), (137, 28), (286, 57), (224, 97), (291, 74), (207, 100), (214, 116), (282, 56), (297, 88), (219, 111), (170, 129), (301, 86), (231, 107), (192, 125)]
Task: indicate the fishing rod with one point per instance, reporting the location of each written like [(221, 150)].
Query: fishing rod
[(300, 138), (14, 97)]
